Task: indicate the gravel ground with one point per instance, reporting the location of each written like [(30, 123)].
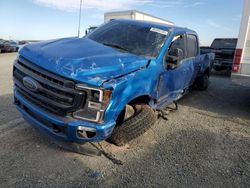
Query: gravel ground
[(206, 143)]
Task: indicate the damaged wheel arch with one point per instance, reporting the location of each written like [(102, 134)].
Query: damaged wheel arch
[(136, 117), (131, 127)]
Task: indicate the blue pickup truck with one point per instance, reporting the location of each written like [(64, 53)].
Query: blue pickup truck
[(108, 84)]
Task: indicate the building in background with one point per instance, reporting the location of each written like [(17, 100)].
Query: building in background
[(241, 66)]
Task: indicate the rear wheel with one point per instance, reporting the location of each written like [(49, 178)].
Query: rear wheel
[(228, 72), (202, 82), (142, 119)]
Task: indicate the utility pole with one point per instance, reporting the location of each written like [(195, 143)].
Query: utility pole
[(80, 15)]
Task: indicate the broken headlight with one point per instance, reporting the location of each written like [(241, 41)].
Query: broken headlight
[(96, 104)]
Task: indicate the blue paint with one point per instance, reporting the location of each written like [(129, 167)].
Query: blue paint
[(82, 59), (128, 75)]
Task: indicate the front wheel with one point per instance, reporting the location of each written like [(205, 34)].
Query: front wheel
[(202, 82), (144, 117)]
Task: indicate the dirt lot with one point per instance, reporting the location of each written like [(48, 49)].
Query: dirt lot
[(205, 143)]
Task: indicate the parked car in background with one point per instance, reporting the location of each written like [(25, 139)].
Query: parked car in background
[(109, 83), (1, 46), (10, 47), (14, 45), (5, 46), (224, 49)]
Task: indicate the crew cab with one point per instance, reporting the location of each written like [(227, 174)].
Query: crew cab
[(109, 83)]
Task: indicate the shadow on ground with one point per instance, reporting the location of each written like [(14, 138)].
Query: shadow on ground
[(222, 97)]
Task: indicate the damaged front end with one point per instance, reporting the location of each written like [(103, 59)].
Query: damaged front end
[(64, 95), (75, 88)]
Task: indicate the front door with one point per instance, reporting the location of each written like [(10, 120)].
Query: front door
[(173, 80)]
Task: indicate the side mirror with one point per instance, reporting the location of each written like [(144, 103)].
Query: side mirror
[(174, 57)]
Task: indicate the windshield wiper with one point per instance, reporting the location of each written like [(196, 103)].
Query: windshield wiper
[(117, 46)]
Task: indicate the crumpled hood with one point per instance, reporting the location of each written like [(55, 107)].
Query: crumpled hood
[(82, 59)]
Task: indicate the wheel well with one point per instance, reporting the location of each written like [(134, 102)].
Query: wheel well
[(144, 99), (141, 99)]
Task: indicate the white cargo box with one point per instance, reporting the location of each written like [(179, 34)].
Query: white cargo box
[(134, 15)]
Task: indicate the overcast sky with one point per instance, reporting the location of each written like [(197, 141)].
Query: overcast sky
[(47, 19)]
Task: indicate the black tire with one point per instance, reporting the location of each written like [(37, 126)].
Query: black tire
[(134, 126), (228, 72), (202, 82)]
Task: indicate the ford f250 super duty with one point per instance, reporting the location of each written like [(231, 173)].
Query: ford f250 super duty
[(109, 83)]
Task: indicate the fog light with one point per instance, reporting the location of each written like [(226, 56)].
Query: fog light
[(81, 128)]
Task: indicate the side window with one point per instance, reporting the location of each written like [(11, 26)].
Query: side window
[(178, 42), (192, 46)]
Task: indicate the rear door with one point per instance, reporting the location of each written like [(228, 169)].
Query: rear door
[(192, 62)]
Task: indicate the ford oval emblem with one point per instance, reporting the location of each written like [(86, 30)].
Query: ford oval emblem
[(30, 84)]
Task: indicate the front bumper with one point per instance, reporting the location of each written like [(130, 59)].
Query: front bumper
[(47, 122)]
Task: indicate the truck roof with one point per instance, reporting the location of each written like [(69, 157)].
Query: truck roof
[(158, 25)]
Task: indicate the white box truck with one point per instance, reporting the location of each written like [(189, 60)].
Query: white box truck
[(241, 66), (129, 14), (134, 15)]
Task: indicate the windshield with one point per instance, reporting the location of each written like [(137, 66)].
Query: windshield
[(224, 43), (130, 37)]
